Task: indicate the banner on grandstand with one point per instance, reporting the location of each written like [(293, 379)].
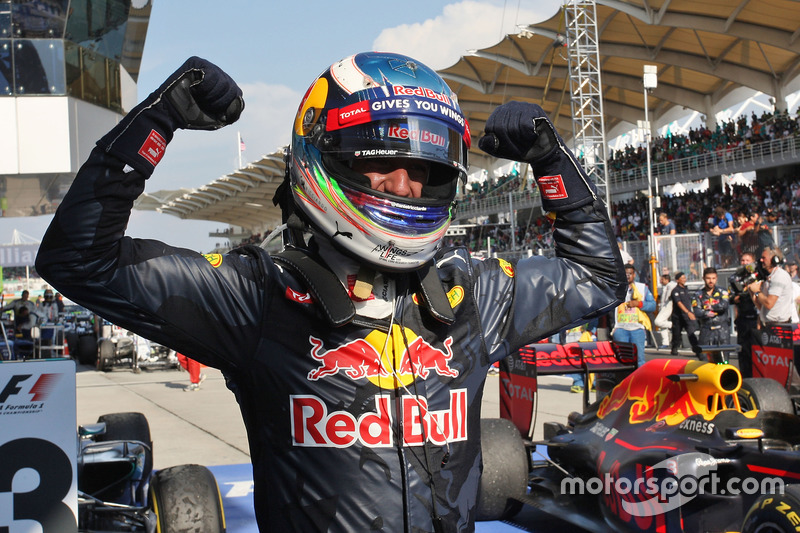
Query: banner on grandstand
[(18, 255)]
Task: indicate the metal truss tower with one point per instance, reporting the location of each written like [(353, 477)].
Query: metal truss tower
[(587, 91)]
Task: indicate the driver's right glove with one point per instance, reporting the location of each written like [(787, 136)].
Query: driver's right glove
[(199, 96)]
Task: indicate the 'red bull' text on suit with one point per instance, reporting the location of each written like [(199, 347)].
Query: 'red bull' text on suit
[(356, 427)]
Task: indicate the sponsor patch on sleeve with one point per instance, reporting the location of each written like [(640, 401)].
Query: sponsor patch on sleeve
[(153, 148), (299, 297), (552, 187), (214, 259), (507, 267), (455, 295)]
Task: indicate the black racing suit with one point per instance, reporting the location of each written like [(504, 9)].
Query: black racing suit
[(337, 440), (746, 323), (711, 311)]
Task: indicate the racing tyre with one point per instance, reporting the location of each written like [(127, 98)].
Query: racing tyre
[(764, 394), (125, 426), (87, 350), (505, 470), (105, 355), (187, 498), (774, 513), (72, 344)]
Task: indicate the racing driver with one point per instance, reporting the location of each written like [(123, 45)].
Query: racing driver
[(366, 416)]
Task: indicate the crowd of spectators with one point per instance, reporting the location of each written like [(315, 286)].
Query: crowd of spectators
[(694, 212), (725, 136), (493, 186)]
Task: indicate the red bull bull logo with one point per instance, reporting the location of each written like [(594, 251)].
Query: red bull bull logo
[(652, 396), (388, 361)]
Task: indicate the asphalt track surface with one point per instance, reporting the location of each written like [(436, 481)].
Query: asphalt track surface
[(205, 427)]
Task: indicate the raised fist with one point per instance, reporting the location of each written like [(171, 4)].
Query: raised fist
[(522, 132), (197, 96), (205, 97), (518, 131)]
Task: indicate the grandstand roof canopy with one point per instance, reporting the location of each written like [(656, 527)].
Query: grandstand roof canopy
[(703, 49), (242, 198)]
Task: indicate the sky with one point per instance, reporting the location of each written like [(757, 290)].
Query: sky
[(274, 50)]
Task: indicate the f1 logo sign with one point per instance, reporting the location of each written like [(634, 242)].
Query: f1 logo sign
[(39, 391), (12, 387)]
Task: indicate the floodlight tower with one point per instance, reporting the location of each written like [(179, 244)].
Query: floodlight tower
[(650, 82), (587, 91)]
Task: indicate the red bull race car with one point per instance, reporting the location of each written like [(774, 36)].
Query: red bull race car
[(675, 445), (776, 353)]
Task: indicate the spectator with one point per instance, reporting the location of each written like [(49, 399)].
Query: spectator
[(627, 259), (765, 238), (664, 318), (722, 227), (665, 225), (632, 324), (583, 333), (791, 268), (748, 237)]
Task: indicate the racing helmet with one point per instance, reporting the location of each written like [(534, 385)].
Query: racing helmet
[(382, 106)]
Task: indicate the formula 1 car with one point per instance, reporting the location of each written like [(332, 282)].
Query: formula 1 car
[(121, 348), (676, 445), (80, 333), (118, 491)]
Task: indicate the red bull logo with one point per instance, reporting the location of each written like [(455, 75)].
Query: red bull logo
[(385, 360), (652, 395), (314, 426), (357, 359)]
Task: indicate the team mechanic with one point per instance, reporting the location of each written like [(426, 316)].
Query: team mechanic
[(710, 306), (359, 359)]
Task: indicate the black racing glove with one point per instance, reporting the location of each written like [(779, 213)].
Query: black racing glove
[(522, 132), (197, 96)]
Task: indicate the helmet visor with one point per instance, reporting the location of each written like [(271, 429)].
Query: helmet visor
[(395, 217)]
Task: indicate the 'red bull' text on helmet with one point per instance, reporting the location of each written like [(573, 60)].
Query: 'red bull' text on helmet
[(378, 106)]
